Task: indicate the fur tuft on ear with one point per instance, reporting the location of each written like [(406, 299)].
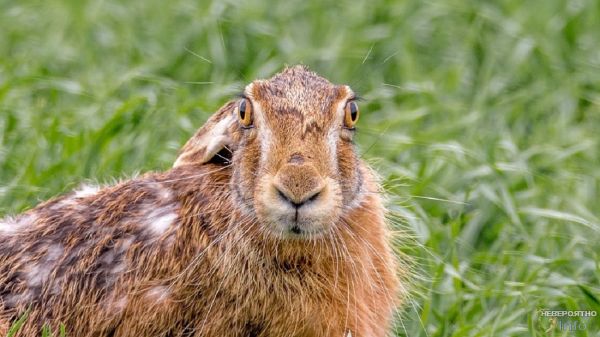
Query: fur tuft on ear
[(214, 139)]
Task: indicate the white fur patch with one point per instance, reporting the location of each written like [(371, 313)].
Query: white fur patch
[(160, 219), (118, 268), (12, 300), (116, 305), (158, 294), (26, 221), (38, 274), (333, 135), (266, 139), (121, 303), (265, 135), (54, 252), (125, 244), (332, 139), (85, 191), (164, 193), (11, 225), (7, 226)]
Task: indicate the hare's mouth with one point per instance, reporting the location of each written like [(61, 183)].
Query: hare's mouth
[(308, 218), (300, 231), (297, 230)]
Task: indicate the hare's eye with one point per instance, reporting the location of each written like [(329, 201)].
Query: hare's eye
[(351, 115), (245, 113)]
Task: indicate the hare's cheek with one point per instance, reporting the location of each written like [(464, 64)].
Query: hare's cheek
[(349, 173), (246, 166), (265, 200)]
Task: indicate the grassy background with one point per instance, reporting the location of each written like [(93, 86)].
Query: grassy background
[(484, 118)]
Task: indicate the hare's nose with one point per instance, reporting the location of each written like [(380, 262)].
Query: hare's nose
[(298, 184)]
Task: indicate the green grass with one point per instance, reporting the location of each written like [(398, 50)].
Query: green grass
[(483, 117)]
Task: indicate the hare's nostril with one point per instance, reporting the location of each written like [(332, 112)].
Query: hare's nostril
[(283, 196), (313, 197)]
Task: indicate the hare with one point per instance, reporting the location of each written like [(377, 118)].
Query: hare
[(269, 224)]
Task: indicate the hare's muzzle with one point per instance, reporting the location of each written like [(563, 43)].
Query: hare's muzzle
[(297, 201), (298, 184)]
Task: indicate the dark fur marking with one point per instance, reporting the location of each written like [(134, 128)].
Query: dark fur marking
[(111, 332), (253, 329), (312, 127)]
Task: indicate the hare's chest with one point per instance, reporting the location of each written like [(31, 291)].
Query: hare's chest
[(293, 305)]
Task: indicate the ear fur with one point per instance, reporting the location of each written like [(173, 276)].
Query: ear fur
[(215, 135)]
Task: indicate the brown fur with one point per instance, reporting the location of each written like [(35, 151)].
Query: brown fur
[(201, 250)]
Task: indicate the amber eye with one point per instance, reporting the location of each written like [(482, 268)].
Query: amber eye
[(350, 114), (245, 113)]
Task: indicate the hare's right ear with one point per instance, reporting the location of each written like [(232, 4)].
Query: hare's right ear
[(213, 142)]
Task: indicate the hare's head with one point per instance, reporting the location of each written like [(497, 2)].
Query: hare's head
[(289, 143)]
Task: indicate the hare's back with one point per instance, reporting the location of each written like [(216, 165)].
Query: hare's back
[(94, 246)]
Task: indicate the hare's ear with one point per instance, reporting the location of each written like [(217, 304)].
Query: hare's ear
[(213, 142)]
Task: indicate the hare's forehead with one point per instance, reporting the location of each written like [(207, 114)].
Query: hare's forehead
[(298, 103)]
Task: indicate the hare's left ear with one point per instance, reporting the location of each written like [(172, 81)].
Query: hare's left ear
[(213, 142)]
